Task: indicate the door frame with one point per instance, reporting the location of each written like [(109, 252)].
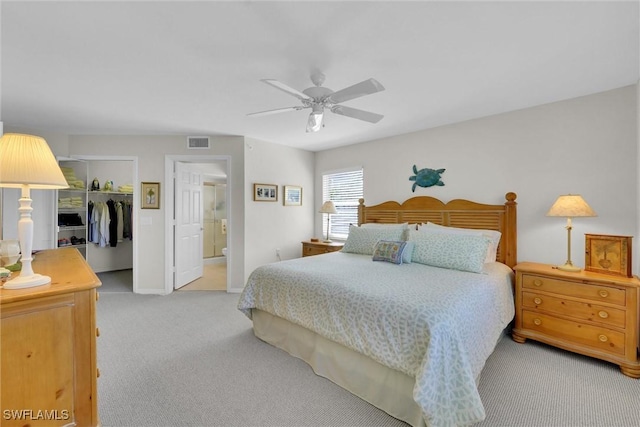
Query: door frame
[(169, 202)]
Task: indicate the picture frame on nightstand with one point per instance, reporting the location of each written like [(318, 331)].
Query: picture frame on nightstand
[(608, 254)]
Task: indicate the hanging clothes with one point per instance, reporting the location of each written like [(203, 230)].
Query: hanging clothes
[(120, 221), (113, 223)]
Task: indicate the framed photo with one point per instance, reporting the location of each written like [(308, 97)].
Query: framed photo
[(265, 193), (608, 254), (150, 192), (292, 195)]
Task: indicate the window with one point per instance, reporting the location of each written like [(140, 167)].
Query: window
[(344, 189)]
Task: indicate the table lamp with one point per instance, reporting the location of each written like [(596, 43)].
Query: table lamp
[(26, 162), (570, 205), (328, 208)]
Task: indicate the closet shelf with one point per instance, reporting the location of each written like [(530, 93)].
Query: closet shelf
[(117, 193), (71, 227)]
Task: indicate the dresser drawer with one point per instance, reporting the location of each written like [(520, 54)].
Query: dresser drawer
[(580, 310), (596, 293), (575, 332)]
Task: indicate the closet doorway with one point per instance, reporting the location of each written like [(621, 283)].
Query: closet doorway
[(213, 248), (114, 180)]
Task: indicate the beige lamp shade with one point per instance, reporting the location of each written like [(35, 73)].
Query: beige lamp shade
[(571, 206), (27, 159), (328, 208)]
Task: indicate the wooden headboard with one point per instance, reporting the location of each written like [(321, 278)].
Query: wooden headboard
[(456, 213)]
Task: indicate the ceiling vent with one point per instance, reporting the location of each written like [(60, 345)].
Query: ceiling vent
[(197, 142)]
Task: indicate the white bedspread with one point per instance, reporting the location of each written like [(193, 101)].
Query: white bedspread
[(434, 324)]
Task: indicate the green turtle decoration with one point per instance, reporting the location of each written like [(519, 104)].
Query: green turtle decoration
[(426, 177)]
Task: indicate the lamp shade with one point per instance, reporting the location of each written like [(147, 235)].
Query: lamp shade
[(328, 208), (570, 206), (27, 159)]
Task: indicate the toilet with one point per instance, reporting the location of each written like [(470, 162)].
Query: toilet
[(224, 251)]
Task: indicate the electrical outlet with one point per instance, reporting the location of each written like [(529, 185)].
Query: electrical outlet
[(278, 252)]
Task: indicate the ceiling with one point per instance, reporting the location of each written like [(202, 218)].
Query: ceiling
[(194, 68)]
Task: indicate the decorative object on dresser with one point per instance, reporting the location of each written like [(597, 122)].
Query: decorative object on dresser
[(608, 254), (292, 195), (48, 346), (150, 195), (588, 313), (328, 208), (312, 247), (26, 162), (569, 206), (265, 193)]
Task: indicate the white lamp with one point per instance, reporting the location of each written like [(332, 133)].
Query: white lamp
[(328, 208), (570, 205), (314, 124), (27, 162)]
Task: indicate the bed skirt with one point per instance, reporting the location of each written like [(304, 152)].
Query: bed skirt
[(385, 388)]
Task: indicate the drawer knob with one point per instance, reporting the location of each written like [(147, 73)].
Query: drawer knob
[(537, 300), (603, 293), (537, 322), (603, 338), (97, 332), (97, 373), (603, 314), (537, 282)]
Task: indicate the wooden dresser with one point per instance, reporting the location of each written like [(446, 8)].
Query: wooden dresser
[(588, 313), (48, 337), (316, 248)]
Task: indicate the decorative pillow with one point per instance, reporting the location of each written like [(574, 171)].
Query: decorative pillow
[(463, 252), (389, 251), (493, 235), (408, 252), (362, 240)]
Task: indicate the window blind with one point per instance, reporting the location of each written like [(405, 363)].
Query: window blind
[(344, 189)]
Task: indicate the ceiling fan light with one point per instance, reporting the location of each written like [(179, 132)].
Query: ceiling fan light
[(315, 120)]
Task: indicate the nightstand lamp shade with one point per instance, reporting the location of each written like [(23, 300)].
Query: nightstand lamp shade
[(328, 208), (27, 162), (570, 206)]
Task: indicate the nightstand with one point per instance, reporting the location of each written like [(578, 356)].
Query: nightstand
[(588, 313), (316, 248)]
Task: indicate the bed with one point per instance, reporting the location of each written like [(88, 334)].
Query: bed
[(408, 337)]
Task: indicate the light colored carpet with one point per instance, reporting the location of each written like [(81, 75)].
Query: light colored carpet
[(191, 359)]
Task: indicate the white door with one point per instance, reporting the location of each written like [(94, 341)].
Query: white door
[(189, 224)]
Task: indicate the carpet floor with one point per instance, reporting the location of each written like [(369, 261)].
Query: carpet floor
[(191, 359)]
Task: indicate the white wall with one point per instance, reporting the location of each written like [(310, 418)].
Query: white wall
[(585, 146), (271, 225)]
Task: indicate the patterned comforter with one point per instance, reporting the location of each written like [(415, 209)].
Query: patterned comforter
[(436, 325)]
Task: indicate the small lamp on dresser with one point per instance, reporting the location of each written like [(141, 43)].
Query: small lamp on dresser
[(26, 162), (328, 208), (569, 206)]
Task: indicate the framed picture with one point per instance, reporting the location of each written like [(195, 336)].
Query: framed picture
[(292, 195), (608, 254), (265, 193), (150, 192)]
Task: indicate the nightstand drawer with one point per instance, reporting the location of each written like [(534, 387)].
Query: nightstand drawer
[(593, 292), (580, 310), (587, 335), (315, 250)]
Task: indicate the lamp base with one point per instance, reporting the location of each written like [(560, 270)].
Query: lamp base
[(327, 241), (569, 267), (22, 282)]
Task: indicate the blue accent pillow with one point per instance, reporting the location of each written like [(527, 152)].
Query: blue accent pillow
[(362, 240), (389, 251), (462, 252)]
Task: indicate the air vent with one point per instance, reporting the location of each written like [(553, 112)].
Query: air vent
[(198, 142)]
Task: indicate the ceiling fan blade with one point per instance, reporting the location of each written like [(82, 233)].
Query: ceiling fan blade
[(357, 114), (283, 87), (366, 87), (276, 111)]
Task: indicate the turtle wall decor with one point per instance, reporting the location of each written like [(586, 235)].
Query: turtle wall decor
[(426, 177)]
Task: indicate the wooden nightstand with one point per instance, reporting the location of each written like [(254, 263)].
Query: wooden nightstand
[(316, 248), (588, 313)]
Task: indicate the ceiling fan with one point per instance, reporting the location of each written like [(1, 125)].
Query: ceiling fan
[(318, 98)]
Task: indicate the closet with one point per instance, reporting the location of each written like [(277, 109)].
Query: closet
[(103, 209)]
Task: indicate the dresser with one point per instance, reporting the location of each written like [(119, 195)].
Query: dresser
[(48, 345), (316, 248), (588, 313)]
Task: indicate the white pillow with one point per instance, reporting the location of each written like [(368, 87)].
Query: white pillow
[(404, 227), (464, 252), (493, 235), (362, 240)]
